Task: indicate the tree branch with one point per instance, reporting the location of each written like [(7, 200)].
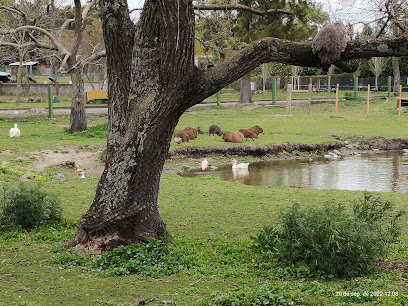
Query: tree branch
[(58, 46), (235, 6), (292, 53)]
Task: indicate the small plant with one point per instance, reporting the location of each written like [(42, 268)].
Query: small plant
[(152, 259), (348, 95), (332, 240), (27, 206), (265, 294)]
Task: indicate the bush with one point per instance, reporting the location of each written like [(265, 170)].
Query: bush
[(158, 257), (332, 240), (27, 206), (348, 95)]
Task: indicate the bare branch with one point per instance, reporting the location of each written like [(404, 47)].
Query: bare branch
[(64, 25), (235, 6), (58, 46), (206, 45)]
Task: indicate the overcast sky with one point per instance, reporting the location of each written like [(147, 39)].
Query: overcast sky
[(352, 11)]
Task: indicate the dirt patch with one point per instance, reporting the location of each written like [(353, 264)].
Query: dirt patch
[(70, 157), (403, 266)]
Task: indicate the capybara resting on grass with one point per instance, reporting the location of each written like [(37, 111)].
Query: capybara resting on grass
[(255, 129), (214, 129), (191, 131), (181, 135), (249, 134), (233, 137)]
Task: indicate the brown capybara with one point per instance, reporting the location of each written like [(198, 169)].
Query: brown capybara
[(214, 129), (249, 134), (256, 129), (183, 135), (191, 134), (233, 137), (192, 131)]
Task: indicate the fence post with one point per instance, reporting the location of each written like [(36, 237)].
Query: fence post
[(50, 102), (399, 101), (355, 87), (218, 94), (309, 98), (368, 99), (289, 100), (389, 87), (337, 98), (273, 91)]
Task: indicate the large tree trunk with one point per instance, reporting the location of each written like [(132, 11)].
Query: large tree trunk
[(245, 95), (144, 109), (78, 114), (397, 76)]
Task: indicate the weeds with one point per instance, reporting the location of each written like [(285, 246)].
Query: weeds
[(27, 206)]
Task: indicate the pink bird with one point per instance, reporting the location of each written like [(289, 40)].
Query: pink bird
[(204, 165)]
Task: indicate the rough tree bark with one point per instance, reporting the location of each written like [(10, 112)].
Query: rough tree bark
[(397, 75), (245, 95), (152, 81), (78, 114)]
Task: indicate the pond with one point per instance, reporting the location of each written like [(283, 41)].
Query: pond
[(385, 171)]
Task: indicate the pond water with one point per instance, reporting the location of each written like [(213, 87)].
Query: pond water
[(386, 171)]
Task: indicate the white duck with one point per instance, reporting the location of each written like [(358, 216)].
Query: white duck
[(81, 172), (15, 131), (239, 166)]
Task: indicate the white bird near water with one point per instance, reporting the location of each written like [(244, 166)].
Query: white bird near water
[(82, 173), (236, 166), (15, 131)]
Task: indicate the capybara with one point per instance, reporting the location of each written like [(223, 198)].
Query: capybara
[(192, 131), (249, 134), (233, 137), (214, 129), (183, 135), (256, 129)]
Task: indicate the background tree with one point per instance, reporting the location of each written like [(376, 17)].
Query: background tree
[(299, 25), (67, 51), (17, 45), (377, 66), (154, 61)]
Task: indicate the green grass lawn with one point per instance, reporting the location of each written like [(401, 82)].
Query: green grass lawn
[(211, 220)]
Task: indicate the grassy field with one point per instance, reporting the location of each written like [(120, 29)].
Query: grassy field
[(211, 220)]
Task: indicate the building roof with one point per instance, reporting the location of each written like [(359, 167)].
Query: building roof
[(24, 63)]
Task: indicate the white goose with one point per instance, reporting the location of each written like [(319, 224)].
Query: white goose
[(14, 132), (239, 166)]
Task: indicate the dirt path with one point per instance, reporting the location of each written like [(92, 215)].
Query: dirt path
[(71, 157)]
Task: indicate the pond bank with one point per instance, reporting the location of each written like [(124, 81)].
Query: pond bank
[(358, 143)]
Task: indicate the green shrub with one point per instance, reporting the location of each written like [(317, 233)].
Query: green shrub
[(27, 206), (331, 239), (348, 95), (265, 294), (158, 257)]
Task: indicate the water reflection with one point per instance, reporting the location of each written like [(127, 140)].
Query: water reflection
[(372, 172)]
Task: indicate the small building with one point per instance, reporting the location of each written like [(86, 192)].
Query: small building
[(5, 77), (30, 66)]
